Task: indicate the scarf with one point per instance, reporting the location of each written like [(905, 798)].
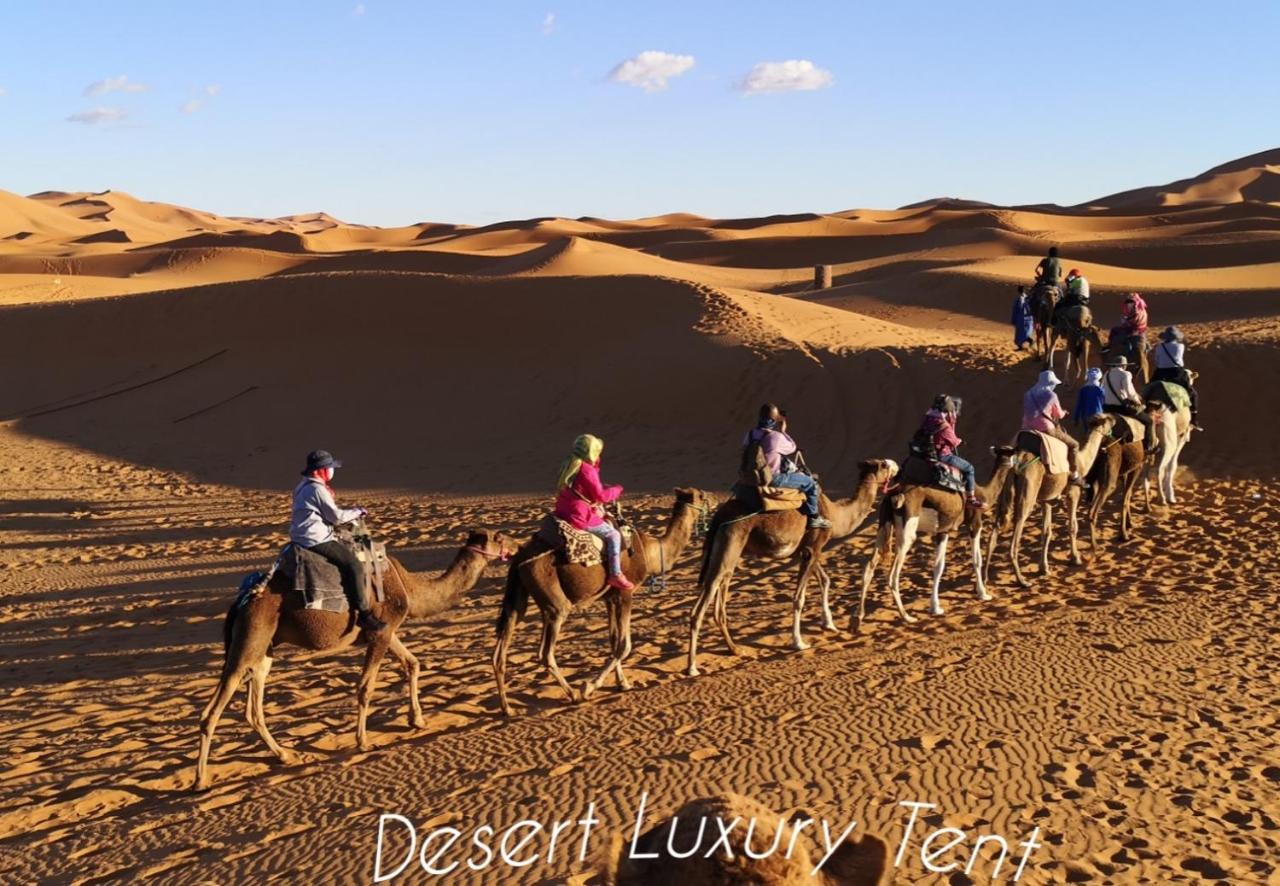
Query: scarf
[(585, 448)]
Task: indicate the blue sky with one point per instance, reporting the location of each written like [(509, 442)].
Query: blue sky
[(396, 112)]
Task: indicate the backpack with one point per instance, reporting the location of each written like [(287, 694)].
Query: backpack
[(921, 444), (754, 469)]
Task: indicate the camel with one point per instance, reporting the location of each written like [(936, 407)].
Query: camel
[(1045, 298), (1033, 484), (764, 847), (1173, 432), (276, 616), (558, 589), (1082, 338), (737, 529), (1119, 464), (903, 513)]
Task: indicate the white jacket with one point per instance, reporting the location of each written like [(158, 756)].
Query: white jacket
[(315, 513), (1117, 387)]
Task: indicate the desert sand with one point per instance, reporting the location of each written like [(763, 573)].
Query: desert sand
[(166, 369)]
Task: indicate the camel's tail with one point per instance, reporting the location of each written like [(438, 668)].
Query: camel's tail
[(515, 599), (228, 626)]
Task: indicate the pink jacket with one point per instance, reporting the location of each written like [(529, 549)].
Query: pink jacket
[(1134, 319), (574, 503), (939, 425)]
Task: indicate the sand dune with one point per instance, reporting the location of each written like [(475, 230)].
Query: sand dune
[(165, 369)]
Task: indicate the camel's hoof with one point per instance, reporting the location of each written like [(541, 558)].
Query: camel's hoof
[(909, 619), (507, 712), (801, 645), (418, 722), (624, 685), (692, 671), (984, 597), (290, 758), (588, 689), (830, 626), (201, 785)]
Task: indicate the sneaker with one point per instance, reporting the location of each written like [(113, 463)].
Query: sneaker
[(370, 622), (976, 503), (819, 522), (1077, 480), (621, 582)]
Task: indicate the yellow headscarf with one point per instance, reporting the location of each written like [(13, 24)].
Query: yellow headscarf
[(585, 448)]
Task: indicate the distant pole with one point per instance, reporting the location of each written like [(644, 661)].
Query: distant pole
[(822, 276)]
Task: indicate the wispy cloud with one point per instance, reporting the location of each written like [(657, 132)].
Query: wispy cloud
[(651, 70), (359, 10), (195, 104), (549, 24), (795, 75), (3, 92), (97, 115), (114, 84)]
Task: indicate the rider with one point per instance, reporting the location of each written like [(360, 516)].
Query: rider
[(1133, 323), (315, 513), (1077, 293), (1023, 319), (580, 498), (783, 458), (1041, 411), (1170, 367), (1121, 398), (1090, 398), (940, 425), (1049, 271)]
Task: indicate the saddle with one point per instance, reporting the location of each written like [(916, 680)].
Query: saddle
[(1169, 393), (1052, 451), (919, 471), (577, 546), (768, 498), (320, 582)]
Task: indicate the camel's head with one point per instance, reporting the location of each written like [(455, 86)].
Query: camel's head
[(1004, 454), (880, 471), (698, 498), (492, 544), (1101, 422)]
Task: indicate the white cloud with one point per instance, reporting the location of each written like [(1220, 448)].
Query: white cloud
[(192, 106), (3, 92), (195, 104), (789, 76), (359, 10), (549, 24), (114, 84), (651, 70), (213, 89), (96, 116)]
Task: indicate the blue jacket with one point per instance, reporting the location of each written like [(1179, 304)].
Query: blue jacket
[(1088, 403)]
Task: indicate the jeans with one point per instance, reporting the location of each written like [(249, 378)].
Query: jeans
[(352, 572), (805, 483), (612, 546), (964, 467)]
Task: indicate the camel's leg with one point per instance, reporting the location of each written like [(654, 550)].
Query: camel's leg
[(257, 713), (1047, 526), (828, 621), (906, 538), (984, 563), (1100, 496), (883, 535), (614, 603), (249, 643), (368, 682), (1022, 508), (624, 629), (979, 572), (500, 650), (939, 567), (797, 602), (695, 621), (1126, 506), (722, 614), (1073, 525), (411, 671), (551, 633)]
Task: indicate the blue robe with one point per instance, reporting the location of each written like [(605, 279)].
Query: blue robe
[(1024, 324)]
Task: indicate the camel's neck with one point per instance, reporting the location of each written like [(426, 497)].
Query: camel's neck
[(847, 514), (1089, 451), (661, 552), (433, 594), (990, 491)]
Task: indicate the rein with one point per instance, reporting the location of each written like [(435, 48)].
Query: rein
[(487, 554)]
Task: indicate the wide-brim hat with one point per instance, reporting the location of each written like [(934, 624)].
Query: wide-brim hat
[(1118, 362), (1173, 333), (319, 459)]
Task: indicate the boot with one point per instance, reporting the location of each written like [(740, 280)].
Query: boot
[(817, 521), (369, 622), (621, 582)]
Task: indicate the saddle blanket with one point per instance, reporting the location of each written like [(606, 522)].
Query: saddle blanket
[(1053, 452), (769, 498), (319, 580), (1137, 431), (577, 545), (917, 471)]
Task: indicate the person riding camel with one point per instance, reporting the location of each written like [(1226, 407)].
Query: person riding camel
[(1077, 293), (1170, 366), (580, 500), (1042, 411), (1090, 399), (782, 456), (940, 426), (1121, 398), (1023, 319), (314, 515), (1133, 323), (1049, 271)]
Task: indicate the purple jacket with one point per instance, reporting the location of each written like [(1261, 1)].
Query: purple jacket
[(774, 445)]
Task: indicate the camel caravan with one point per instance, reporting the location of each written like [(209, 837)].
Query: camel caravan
[(333, 586)]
